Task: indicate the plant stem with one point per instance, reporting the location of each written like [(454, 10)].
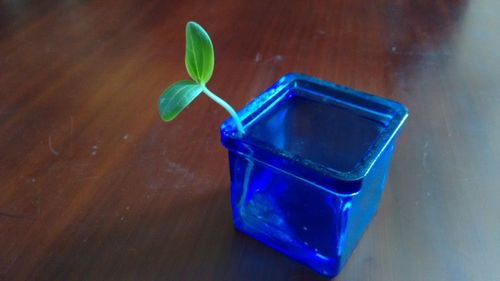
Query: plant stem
[(227, 107), (246, 179), (241, 130)]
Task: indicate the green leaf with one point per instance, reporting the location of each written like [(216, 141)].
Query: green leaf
[(176, 97), (199, 53)]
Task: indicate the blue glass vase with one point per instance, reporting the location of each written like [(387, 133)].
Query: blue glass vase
[(308, 173)]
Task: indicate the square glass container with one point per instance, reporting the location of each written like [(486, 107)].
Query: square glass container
[(308, 174)]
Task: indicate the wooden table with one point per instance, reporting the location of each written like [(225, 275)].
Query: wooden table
[(95, 187)]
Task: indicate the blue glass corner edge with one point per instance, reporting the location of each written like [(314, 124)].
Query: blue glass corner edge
[(256, 107)]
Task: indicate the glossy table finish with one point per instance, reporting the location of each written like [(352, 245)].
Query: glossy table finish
[(95, 187)]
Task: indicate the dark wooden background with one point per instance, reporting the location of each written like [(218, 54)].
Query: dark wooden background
[(93, 186)]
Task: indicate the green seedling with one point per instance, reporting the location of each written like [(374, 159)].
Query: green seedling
[(199, 61)]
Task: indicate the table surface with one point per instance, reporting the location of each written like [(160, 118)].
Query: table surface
[(96, 187)]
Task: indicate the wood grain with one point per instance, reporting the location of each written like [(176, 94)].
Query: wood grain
[(95, 187)]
